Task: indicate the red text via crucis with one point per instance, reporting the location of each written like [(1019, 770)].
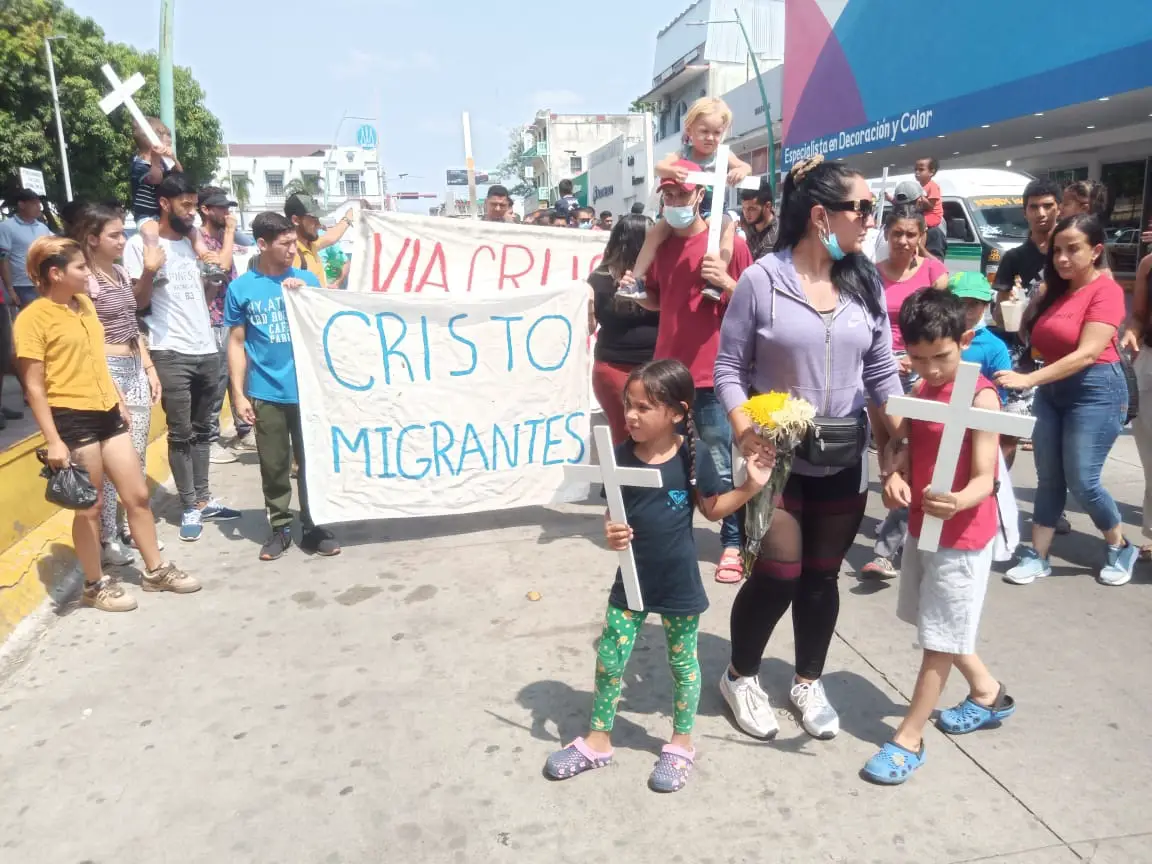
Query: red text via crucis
[(421, 266)]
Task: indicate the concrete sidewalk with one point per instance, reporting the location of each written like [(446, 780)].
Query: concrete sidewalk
[(397, 704)]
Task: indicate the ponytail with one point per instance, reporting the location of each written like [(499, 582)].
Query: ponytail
[(813, 182)]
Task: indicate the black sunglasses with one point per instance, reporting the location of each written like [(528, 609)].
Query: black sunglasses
[(865, 207)]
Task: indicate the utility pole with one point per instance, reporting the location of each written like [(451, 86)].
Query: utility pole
[(59, 119), (167, 92)]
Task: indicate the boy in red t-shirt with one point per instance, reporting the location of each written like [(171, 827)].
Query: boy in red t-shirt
[(931, 204), (942, 592)]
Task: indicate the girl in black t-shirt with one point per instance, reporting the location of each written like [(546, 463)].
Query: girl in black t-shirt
[(658, 398), (627, 336)]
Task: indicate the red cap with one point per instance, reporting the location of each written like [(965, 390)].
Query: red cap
[(669, 182)]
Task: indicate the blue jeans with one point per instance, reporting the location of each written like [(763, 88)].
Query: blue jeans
[(716, 436), (1077, 421)]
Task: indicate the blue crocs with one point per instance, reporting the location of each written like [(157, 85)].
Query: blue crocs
[(969, 716), (893, 764)]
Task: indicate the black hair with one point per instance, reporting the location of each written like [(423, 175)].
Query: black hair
[(268, 226), (625, 243), (175, 185), (72, 213), (498, 192), (638, 208), (1042, 188), (565, 187), (669, 383), (560, 214), (1057, 286), (933, 165), (930, 315), (904, 210), (585, 211), (828, 183), (1093, 193), (605, 214)]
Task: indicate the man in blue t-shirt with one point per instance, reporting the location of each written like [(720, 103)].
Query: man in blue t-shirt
[(262, 370)]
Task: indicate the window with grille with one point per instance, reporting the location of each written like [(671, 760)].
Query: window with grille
[(274, 180)]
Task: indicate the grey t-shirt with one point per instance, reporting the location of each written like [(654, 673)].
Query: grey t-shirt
[(16, 236)]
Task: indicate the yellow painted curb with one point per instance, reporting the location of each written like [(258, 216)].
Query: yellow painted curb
[(35, 536)]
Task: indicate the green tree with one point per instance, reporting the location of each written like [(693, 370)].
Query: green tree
[(638, 107), (308, 185), (100, 148), (511, 170), (241, 188)]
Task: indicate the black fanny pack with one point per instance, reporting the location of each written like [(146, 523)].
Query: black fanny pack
[(835, 442)]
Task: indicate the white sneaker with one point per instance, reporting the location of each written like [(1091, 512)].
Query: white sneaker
[(819, 718), (218, 455), (113, 554), (245, 443), (750, 706)]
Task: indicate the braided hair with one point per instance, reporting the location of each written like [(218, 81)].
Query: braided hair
[(669, 383)]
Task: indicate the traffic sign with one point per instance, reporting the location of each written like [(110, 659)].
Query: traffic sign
[(366, 137), (32, 179)]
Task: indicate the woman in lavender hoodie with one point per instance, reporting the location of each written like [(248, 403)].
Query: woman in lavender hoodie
[(808, 319)]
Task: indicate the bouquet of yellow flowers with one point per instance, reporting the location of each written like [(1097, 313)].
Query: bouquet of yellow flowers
[(783, 420)]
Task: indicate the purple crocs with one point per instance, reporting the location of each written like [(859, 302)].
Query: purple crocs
[(574, 759), (671, 771)]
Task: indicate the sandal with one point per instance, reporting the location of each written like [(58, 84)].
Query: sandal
[(670, 774), (893, 764), (730, 570), (969, 716), (574, 759)]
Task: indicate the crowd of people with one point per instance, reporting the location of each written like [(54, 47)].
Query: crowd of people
[(108, 327), (805, 309)]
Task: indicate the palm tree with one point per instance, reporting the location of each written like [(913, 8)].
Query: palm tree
[(241, 188), (308, 184)]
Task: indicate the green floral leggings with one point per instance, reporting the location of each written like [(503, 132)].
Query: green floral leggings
[(621, 628)]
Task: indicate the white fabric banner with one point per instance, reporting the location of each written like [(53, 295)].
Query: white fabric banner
[(401, 253), (421, 405)]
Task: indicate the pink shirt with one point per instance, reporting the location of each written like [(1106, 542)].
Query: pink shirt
[(1056, 333), (968, 529), (895, 293)]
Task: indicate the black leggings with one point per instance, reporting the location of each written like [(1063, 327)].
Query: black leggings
[(814, 526)]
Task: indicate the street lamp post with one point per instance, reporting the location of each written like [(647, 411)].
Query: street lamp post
[(763, 94), (167, 90), (59, 119)]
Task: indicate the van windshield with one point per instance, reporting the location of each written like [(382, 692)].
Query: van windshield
[(1000, 217)]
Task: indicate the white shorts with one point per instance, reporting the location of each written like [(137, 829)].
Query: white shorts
[(942, 593)]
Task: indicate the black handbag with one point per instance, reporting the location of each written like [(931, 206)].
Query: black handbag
[(1130, 380), (835, 442), (70, 488)]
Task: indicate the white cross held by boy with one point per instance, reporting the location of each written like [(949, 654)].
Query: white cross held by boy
[(957, 416), (122, 95), (614, 479)]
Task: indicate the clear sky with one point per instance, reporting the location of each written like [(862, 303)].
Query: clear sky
[(279, 71)]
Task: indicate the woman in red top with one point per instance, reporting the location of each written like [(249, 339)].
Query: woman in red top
[(1081, 396)]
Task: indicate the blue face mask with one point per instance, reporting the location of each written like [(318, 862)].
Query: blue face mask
[(832, 244), (587, 226), (680, 217)]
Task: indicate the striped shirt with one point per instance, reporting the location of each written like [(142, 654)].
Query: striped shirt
[(144, 202), (116, 306)]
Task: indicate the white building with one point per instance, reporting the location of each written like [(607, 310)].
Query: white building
[(557, 147), (346, 176), (618, 178), (703, 53)]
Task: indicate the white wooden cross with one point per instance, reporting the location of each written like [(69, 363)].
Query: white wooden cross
[(614, 479), (958, 416), (717, 178), (122, 95)]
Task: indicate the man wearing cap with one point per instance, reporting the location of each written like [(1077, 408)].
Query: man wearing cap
[(690, 319), (218, 234), (16, 235), (759, 220), (305, 214)]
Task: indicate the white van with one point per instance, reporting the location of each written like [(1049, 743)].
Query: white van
[(983, 214)]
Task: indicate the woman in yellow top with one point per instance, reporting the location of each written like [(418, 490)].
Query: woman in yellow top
[(80, 411)]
